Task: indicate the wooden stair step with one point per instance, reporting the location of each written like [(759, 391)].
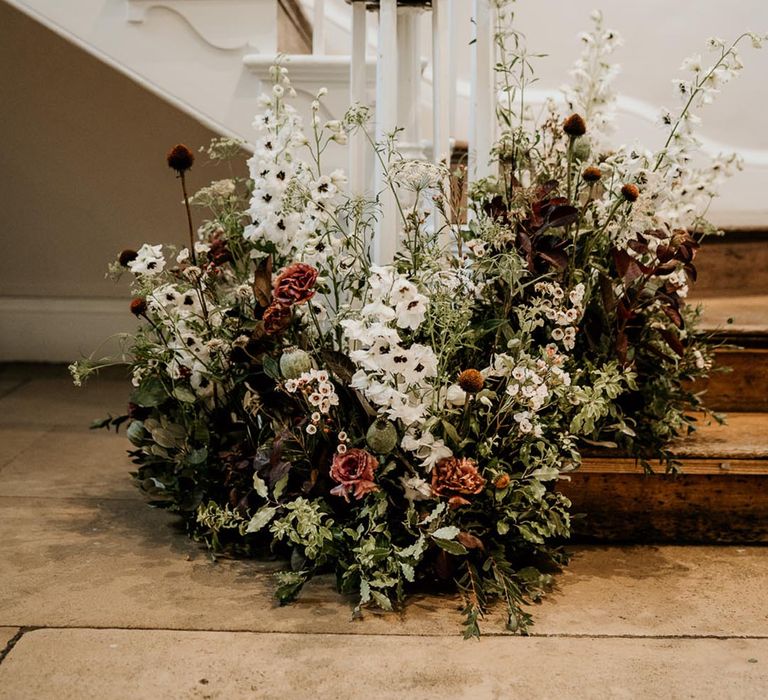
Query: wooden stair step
[(736, 317), (720, 496), (741, 323), (734, 264)]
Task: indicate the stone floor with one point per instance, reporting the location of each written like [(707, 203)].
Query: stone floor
[(101, 596)]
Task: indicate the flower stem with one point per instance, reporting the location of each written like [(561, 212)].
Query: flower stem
[(189, 219)]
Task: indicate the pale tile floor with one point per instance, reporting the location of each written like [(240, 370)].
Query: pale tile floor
[(101, 596)]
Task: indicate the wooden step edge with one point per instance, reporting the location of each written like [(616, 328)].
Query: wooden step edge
[(723, 465)]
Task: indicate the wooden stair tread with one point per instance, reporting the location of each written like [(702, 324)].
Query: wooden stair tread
[(739, 447), (748, 315)]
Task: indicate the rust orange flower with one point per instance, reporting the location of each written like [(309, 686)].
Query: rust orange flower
[(471, 380), (455, 477)]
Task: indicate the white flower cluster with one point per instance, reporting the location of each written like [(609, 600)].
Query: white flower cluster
[(288, 201), (531, 385), (319, 390), (564, 311), (417, 175), (149, 261), (392, 375), (591, 93)]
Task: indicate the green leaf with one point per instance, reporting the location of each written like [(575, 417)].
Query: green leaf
[(451, 432), (408, 572), (381, 600), (262, 517), (198, 456), (455, 548), (448, 532), (150, 393), (280, 487), (260, 486), (183, 394), (136, 433), (271, 368)]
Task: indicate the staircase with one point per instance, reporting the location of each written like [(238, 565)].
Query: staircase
[(722, 493)]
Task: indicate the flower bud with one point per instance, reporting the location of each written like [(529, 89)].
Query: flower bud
[(294, 362), (138, 306), (381, 436), (591, 174), (471, 380), (502, 481), (127, 256), (581, 148), (630, 192), (575, 126), (180, 158)]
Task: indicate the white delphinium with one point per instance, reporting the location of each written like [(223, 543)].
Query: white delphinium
[(149, 260), (393, 375), (591, 94)]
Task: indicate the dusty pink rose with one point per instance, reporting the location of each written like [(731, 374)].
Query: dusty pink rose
[(354, 472), (295, 284)]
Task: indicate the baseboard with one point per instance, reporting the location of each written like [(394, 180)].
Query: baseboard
[(47, 329)]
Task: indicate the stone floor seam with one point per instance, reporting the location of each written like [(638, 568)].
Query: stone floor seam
[(533, 635), (13, 641)]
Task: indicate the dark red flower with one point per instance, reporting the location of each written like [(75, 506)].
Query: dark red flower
[(180, 158), (575, 126), (354, 472), (219, 252), (453, 476), (138, 306), (127, 256), (295, 284), (276, 318)]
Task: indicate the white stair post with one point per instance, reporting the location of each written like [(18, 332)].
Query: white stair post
[(441, 78), (409, 81), (481, 110), (357, 93), (318, 28), (385, 234)]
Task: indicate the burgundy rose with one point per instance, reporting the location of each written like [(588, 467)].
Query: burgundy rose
[(276, 318), (354, 472), (219, 252), (453, 477), (295, 284)]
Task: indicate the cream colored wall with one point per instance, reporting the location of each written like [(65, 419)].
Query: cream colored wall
[(82, 176)]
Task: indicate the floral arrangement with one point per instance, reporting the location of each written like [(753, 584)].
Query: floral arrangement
[(406, 424)]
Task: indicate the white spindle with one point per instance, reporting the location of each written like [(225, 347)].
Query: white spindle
[(385, 237), (318, 28), (409, 81), (357, 93), (450, 9), (441, 107), (481, 115)]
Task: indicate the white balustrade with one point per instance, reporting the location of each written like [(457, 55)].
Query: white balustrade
[(318, 28), (385, 236), (481, 107), (398, 103), (358, 94)]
